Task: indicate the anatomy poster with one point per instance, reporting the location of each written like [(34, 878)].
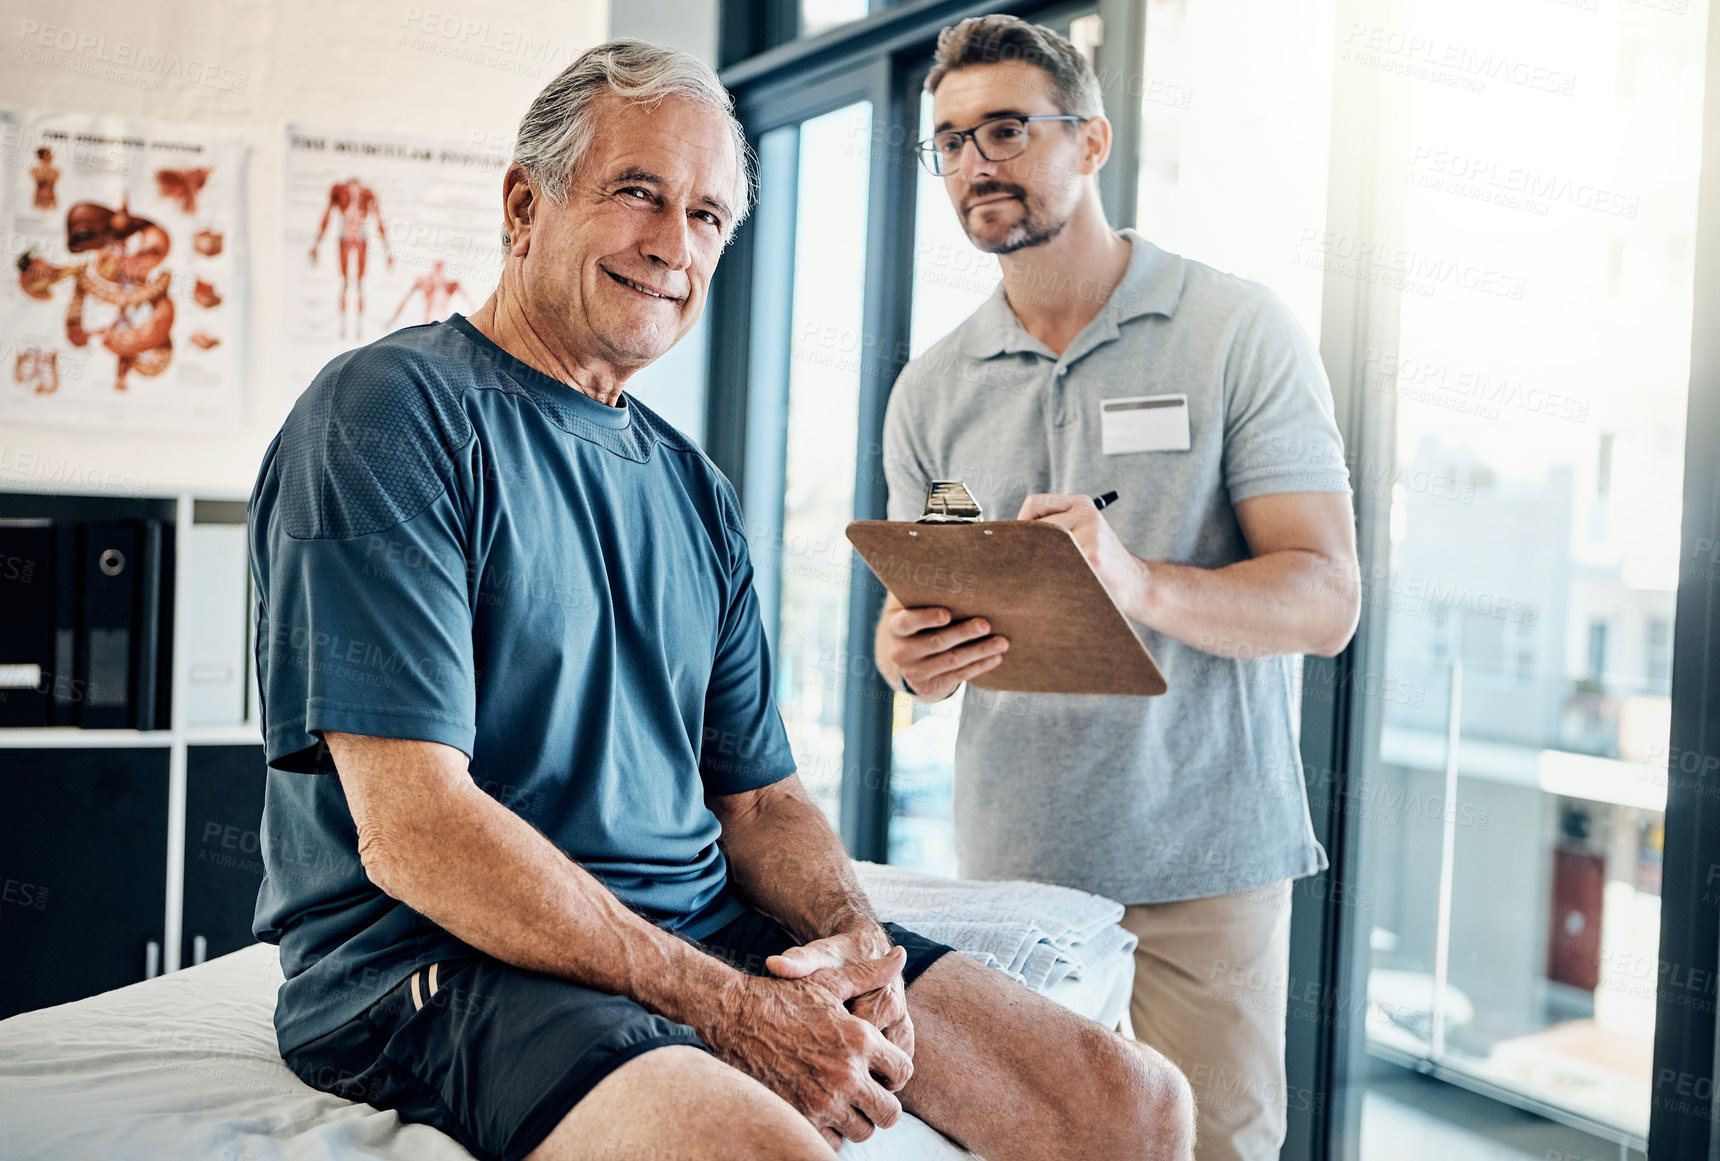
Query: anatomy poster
[(382, 232), (125, 302)]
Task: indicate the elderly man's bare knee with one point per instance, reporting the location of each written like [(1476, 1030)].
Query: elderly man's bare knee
[(1165, 1111), (1142, 1108), (680, 1104)]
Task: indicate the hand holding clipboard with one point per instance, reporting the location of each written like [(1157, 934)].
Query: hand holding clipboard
[(1028, 579)]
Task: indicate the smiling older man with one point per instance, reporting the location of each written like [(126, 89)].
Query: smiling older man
[(537, 859)]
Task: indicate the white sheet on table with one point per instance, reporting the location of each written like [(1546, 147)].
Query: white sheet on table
[(185, 1065), (181, 1066)]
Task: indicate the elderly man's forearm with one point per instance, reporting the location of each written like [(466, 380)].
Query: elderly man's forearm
[(788, 861), (486, 876)]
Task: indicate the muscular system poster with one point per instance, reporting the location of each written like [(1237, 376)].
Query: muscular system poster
[(124, 298), (382, 232)]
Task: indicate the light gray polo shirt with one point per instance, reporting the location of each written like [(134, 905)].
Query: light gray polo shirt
[(1198, 792)]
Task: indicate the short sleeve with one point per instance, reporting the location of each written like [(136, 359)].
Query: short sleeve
[(906, 475), (358, 556), (1280, 435), (743, 746), (367, 635)]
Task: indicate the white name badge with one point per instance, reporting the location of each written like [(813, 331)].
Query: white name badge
[(1144, 423)]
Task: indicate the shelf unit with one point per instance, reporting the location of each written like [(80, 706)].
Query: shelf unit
[(179, 738)]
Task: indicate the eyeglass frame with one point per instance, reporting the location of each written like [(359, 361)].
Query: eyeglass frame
[(929, 153)]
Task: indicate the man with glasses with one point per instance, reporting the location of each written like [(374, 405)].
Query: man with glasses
[(1105, 363)]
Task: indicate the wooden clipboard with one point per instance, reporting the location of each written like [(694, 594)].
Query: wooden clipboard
[(1030, 581)]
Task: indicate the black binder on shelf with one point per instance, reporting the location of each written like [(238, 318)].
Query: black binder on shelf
[(111, 566), (86, 622), (26, 620), (162, 624), (153, 628), (65, 690)]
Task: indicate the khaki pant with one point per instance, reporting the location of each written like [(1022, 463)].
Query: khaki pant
[(1211, 983)]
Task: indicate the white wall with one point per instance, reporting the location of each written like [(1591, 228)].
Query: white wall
[(315, 62), (689, 25)]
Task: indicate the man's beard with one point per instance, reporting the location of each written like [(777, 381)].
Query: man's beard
[(1032, 230)]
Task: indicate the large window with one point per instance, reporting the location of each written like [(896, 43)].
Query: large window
[(800, 481), (1236, 112), (818, 16), (1512, 823)]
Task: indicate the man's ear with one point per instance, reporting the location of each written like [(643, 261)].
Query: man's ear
[(519, 203), (1095, 144)]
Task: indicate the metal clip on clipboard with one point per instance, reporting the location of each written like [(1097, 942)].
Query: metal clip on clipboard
[(949, 502)]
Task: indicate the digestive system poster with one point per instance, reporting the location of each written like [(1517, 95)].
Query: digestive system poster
[(126, 298)]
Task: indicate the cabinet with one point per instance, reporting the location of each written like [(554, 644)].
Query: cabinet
[(76, 916), (223, 856), (126, 853)]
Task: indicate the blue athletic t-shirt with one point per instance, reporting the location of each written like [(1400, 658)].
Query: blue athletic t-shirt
[(449, 545)]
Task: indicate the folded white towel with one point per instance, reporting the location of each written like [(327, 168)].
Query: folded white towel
[(1036, 933)]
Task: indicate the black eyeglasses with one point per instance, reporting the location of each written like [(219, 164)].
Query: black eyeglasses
[(997, 139)]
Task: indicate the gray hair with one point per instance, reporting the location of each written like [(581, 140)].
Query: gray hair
[(561, 124), (983, 40)]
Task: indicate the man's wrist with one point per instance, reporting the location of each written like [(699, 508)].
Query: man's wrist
[(1151, 594), (694, 991), (865, 929), (904, 687)]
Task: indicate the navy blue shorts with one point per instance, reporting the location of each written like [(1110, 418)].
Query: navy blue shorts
[(495, 1056)]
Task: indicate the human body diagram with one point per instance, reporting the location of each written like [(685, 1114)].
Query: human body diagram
[(357, 204), (438, 290)]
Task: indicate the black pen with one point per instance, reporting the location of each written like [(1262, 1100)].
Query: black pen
[(1105, 501)]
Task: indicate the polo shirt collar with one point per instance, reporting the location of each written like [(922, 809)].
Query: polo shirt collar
[(1152, 284), (993, 329)]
